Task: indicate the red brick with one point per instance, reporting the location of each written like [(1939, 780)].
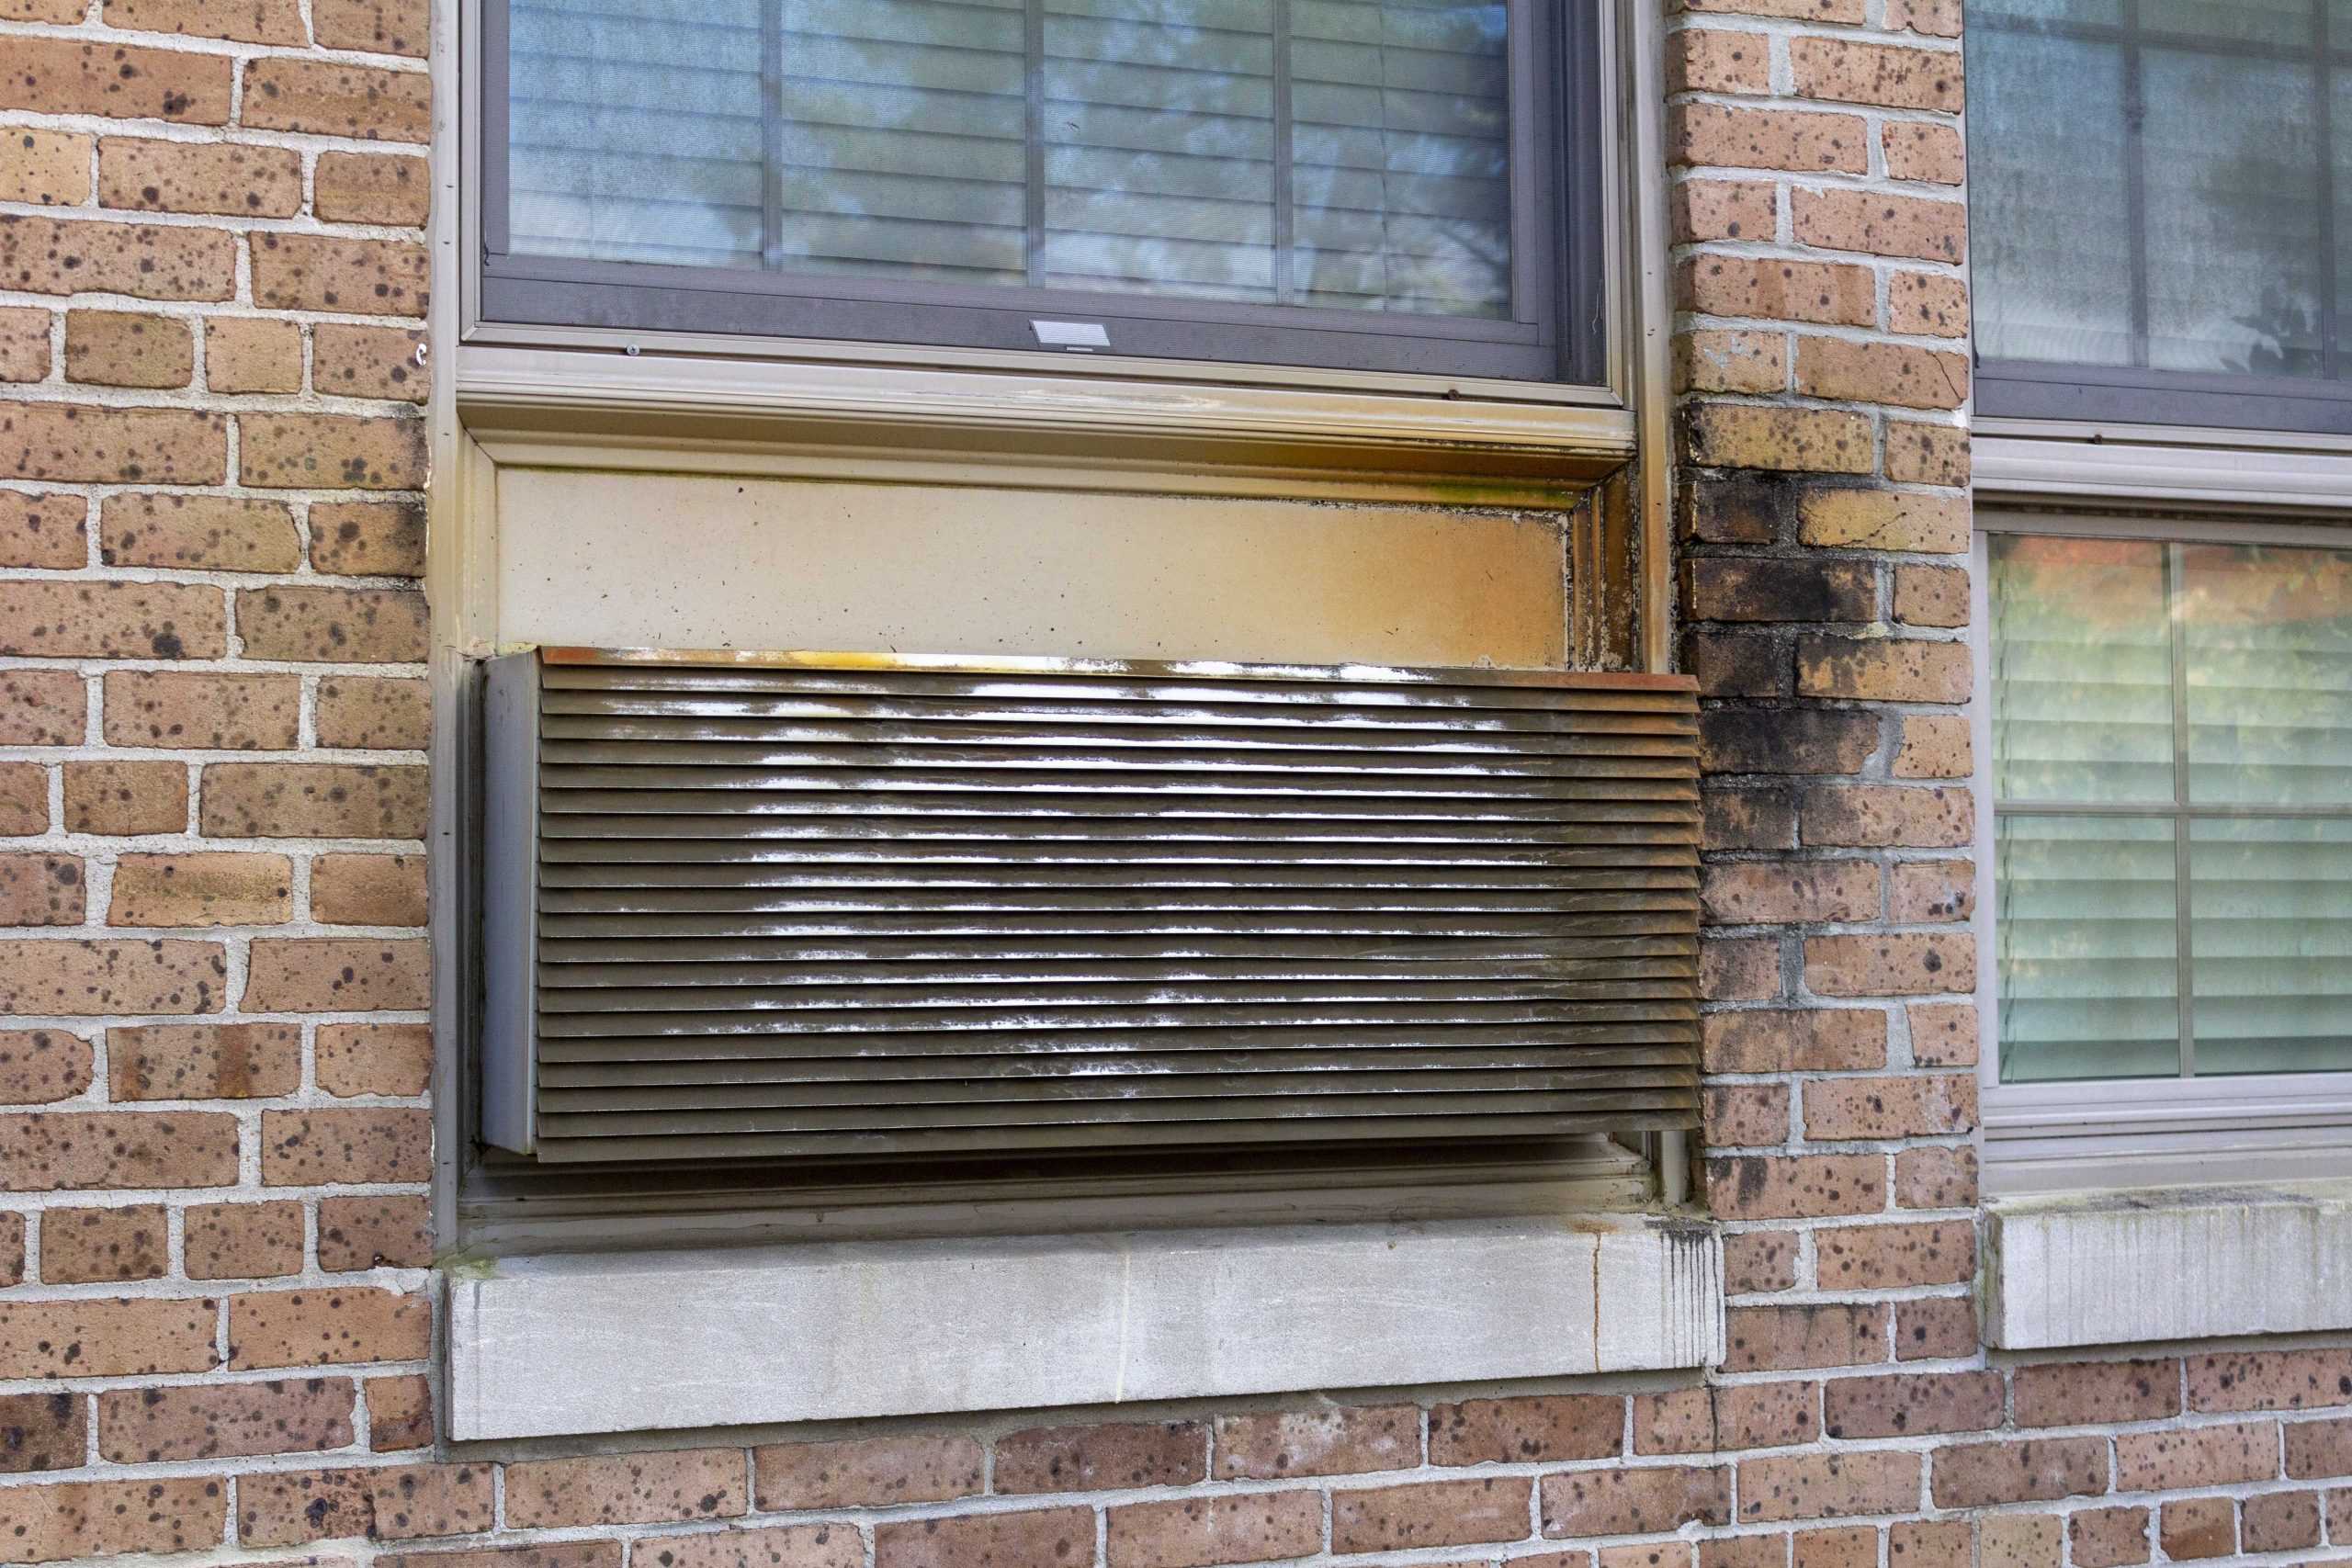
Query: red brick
[(865, 1472), (1817, 1485), (42, 1431), (1935, 1328), (242, 1241), (1823, 293), (95, 1337), (1801, 141), (364, 187), (2270, 1380), (342, 625), (1935, 1178), (1338, 1439), (1634, 1500), (291, 1508), (303, 800), (1847, 71), (1929, 890), (2108, 1537), (325, 1326), (1720, 210), (1538, 1429), (62, 75), (1788, 1339), (1912, 1106), (1191, 1533), (111, 620), (40, 889), (1891, 964), (52, 1151), (1880, 1257), (2179, 1458), (1740, 970), (375, 1231), (1778, 892), (2192, 1527), (249, 21), (374, 1058), (284, 93), (2084, 1393), (1784, 1187), (302, 1148), (400, 1414), (375, 26), (333, 974), (92, 1518), (1913, 1405), (636, 1488), (1718, 60), (2319, 1448), (1746, 1115), (43, 530), (1061, 1537), (1778, 1040), (123, 798), (1759, 1261), (199, 1061), (38, 1065), (81, 1246), (198, 533), (1091, 1457), (831, 1545), (1880, 224), (1972, 1475), (1431, 1513), (154, 1426), (1713, 1417), (368, 890), (377, 714), (2279, 1521), (231, 179), (375, 538)]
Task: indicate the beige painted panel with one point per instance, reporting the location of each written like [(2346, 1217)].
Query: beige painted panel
[(661, 560)]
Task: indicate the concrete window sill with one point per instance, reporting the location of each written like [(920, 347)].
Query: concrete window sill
[(584, 1344), (2139, 1265)]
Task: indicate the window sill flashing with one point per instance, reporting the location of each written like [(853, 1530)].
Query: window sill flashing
[(583, 1344), (2154, 1264), (2044, 460), (538, 406)]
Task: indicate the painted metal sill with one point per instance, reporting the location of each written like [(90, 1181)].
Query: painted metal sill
[(584, 1344), (2162, 1263)]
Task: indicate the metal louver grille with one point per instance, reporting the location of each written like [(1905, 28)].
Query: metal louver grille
[(791, 906)]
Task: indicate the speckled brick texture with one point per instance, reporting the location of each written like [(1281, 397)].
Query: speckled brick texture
[(216, 1330)]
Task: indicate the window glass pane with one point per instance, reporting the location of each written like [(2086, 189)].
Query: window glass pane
[(2049, 202), (2270, 911), (2081, 671), (2268, 642), (2265, 21), (1334, 154), (2088, 948), (2232, 184), (2100, 12)]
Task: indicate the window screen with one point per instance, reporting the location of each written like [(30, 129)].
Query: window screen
[(2154, 207), (2172, 771), (1372, 183)]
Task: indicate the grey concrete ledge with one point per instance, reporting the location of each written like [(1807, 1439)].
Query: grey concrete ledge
[(2126, 1267), (584, 1344)]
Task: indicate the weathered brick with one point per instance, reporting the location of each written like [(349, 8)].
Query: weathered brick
[(301, 1149), (1912, 1405), (1825, 293), (287, 93), (43, 530), (1893, 670), (1801, 10), (2108, 1537), (1912, 1106), (1816, 1485), (1932, 154), (361, 711), (2270, 1380), (2021, 1540), (24, 336), (1926, 453), (1925, 1543), (1891, 964), (368, 890), (366, 188), (1801, 141), (38, 1065), (1738, 663), (1744, 588), (182, 708), (1337, 1440), (1973, 1475), (198, 533), (1935, 1328), (303, 800), (374, 1058), (253, 353), (1936, 19), (125, 797), (375, 1232), (830, 1545), (2178, 1457), (40, 889), (865, 1472), (1756, 1261), (1542, 1427), (1713, 1418), (1785, 741), (1880, 224), (1738, 892), (1933, 746), (1893, 373), (556, 1555), (90, 979), (60, 75), (1796, 439), (242, 1241), (81, 443), (231, 179), (324, 451), (337, 975), (43, 707), (24, 799), (2192, 1527), (400, 1414), (1748, 819), (227, 1061), (2278, 1521), (1742, 1552), (156, 1425), (1930, 595), (2318, 1447), (93, 1337), (1782, 1187), (402, 1502), (45, 1151), (1883, 520), (48, 255), (1778, 1040), (1743, 1115), (1711, 360), (219, 889), (2082, 1393), (1893, 75), (1702, 209), (249, 21), (1055, 1536), (12, 1248), (42, 1431), (1792, 1339), (1928, 304), (368, 362), (49, 168), (93, 1519), (377, 26), (378, 538), (637, 1488), (1943, 1034), (84, 1247), (1644, 1500), (1743, 971), (343, 625), (1884, 1258), (1111, 1454), (325, 1326), (1718, 60), (1425, 1514)]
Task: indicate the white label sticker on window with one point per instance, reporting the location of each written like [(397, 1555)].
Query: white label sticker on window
[(1080, 335)]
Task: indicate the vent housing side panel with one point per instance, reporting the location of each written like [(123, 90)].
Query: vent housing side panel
[(826, 909)]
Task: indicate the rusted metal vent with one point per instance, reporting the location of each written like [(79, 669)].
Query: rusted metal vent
[(749, 906)]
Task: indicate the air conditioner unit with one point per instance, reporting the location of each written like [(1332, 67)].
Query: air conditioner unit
[(818, 906)]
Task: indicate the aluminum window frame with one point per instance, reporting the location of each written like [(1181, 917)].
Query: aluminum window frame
[(2043, 390), (1565, 286), (2132, 1131)]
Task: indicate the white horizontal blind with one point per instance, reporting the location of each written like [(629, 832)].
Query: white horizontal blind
[(2172, 764), (1333, 154)]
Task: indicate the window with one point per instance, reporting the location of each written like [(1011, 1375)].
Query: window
[(2154, 208), (2171, 782), (1375, 184)]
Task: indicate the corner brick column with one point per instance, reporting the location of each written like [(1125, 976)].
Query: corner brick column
[(213, 1143), (1821, 366)]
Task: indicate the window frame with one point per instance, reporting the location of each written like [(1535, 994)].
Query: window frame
[(1562, 271), (2133, 1132), (2045, 389)]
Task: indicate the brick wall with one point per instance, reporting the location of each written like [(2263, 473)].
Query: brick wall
[(213, 1322)]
